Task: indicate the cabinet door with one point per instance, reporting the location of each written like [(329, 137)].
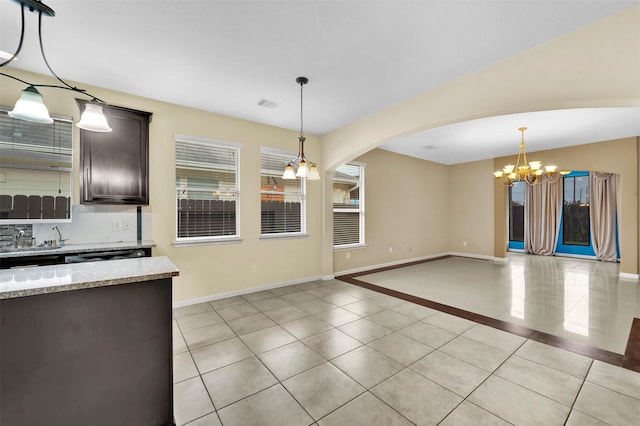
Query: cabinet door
[(115, 165)]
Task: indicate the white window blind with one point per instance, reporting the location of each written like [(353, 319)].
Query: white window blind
[(207, 189), (282, 202), (348, 205), (35, 164), (54, 139)]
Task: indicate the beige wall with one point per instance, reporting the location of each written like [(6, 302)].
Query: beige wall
[(618, 156), (406, 205), (209, 269), (470, 211)]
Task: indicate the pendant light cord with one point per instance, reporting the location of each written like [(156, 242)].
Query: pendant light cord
[(301, 116)]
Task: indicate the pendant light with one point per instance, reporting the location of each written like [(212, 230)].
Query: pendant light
[(93, 118), (305, 169), (30, 106)]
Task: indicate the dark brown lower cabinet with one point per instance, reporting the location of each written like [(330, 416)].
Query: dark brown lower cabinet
[(99, 356), (114, 166)]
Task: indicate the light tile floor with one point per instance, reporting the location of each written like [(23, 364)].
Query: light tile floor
[(330, 353), (581, 300)]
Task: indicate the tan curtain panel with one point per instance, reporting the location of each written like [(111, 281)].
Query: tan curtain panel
[(543, 207), (603, 196)]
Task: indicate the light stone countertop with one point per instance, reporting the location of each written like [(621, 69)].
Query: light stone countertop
[(31, 281), (80, 248)]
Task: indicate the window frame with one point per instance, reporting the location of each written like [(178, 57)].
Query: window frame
[(286, 157), (515, 244), (211, 239), (361, 208), (574, 249)]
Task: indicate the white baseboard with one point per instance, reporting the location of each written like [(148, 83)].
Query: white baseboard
[(627, 276), (217, 296), (387, 264), (417, 259), (479, 256), (209, 298)]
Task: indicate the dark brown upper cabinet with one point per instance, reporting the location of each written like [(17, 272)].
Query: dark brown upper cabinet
[(115, 165)]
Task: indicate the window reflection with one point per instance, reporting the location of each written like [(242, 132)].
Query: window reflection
[(576, 302), (517, 291)]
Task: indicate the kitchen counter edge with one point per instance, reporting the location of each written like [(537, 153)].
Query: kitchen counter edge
[(33, 281)]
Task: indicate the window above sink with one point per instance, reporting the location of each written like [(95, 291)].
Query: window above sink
[(35, 170)]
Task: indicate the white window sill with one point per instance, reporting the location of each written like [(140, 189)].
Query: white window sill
[(203, 241), (283, 236), (349, 247)]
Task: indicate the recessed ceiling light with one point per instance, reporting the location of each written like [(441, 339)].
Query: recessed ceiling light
[(429, 147), (266, 103)]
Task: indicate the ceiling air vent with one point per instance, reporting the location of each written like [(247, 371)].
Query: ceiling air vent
[(266, 103)]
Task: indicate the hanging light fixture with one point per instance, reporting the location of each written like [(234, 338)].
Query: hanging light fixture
[(305, 169), (30, 106), (532, 172)]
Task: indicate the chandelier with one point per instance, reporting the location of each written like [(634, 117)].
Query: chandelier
[(30, 106), (303, 167), (532, 172)]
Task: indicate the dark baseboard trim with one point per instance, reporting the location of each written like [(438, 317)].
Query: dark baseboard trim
[(630, 360)]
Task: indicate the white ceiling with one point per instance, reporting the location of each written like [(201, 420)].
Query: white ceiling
[(499, 136), (360, 57)]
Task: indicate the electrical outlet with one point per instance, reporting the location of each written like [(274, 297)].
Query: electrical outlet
[(116, 225), (464, 244), (254, 267), (390, 249), (348, 255)]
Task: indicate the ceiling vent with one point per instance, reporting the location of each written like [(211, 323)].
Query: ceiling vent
[(266, 103)]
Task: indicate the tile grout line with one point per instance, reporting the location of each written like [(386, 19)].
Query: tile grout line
[(492, 373)]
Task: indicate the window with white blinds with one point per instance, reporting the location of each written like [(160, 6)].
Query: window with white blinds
[(207, 189), (35, 168), (348, 206), (282, 202)]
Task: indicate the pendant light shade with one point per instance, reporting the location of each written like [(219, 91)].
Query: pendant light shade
[(289, 173), (314, 174), (303, 170), (31, 107), (93, 119)]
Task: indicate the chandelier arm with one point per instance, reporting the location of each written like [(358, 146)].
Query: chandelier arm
[(66, 85), (19, 43)]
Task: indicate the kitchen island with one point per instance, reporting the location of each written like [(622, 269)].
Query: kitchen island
[(87, 343)]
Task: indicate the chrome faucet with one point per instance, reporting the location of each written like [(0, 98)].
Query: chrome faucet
[(60, 240), (17, 241)]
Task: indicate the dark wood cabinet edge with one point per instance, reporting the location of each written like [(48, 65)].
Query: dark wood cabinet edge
[(82, 102)]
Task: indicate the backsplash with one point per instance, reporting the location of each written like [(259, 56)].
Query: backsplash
[(9, 235), (90, 224)]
